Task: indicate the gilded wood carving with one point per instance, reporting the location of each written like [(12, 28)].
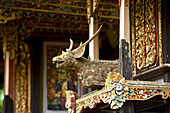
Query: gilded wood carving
[(14, 35), (116, 91), (7, 15), (71, 15), (9, 39), (22, 80), (146, 34), (75, 7)]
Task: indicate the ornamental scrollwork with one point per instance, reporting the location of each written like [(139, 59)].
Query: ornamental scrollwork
[(146, 34), (117, 88), (22, 88), (89, 9), (95, 5), (160, 32), (14, 33), (150, 33), (114, 93), (7, 14), (70, 104), (145, 94), (9, 35)]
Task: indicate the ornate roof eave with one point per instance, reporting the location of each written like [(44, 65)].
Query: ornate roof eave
[(117, 90), (58, 16), (77, 7)]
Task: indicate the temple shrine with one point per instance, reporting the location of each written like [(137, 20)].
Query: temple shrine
[(84, 56)]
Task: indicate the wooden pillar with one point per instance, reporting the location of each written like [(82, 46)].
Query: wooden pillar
[(93, 27), (165, 16), (9, 76), (6, 77), (125, 62), (93, 45), (80, 88), (128, 107), (165, 31), (96, 40), (8, 102), (166, 36), (124, 21), (167, 106)]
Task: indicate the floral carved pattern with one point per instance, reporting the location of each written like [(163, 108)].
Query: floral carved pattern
[(146, 34), (23, 81), (116, 91), (144, 94)]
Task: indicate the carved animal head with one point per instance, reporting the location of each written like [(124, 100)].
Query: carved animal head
[(67, 59)]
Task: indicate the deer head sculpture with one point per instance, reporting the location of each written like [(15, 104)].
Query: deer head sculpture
[(92, 72), (66, 59)]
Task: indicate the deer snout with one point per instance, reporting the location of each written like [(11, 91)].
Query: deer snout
[(54, 59)]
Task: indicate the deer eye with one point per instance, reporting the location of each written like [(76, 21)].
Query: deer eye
[(65, 56)]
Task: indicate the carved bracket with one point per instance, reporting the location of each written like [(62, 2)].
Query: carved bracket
[(7, 14), (9, 35), (15, 33), (116, 91)]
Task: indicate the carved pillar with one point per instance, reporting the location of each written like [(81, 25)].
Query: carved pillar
[(22, 81), (9, 39), (10, 44), (92, 7), (23, 67), (9, 34), (14, 34)]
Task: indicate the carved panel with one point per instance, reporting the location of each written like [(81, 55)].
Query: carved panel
[(160, 32), (22, 80), (68, 7), (146, 34), (13, 36), (9, 35)]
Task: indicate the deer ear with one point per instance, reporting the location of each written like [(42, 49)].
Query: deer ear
[(78, 52)]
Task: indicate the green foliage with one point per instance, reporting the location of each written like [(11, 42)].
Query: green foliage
[(1, 99)]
